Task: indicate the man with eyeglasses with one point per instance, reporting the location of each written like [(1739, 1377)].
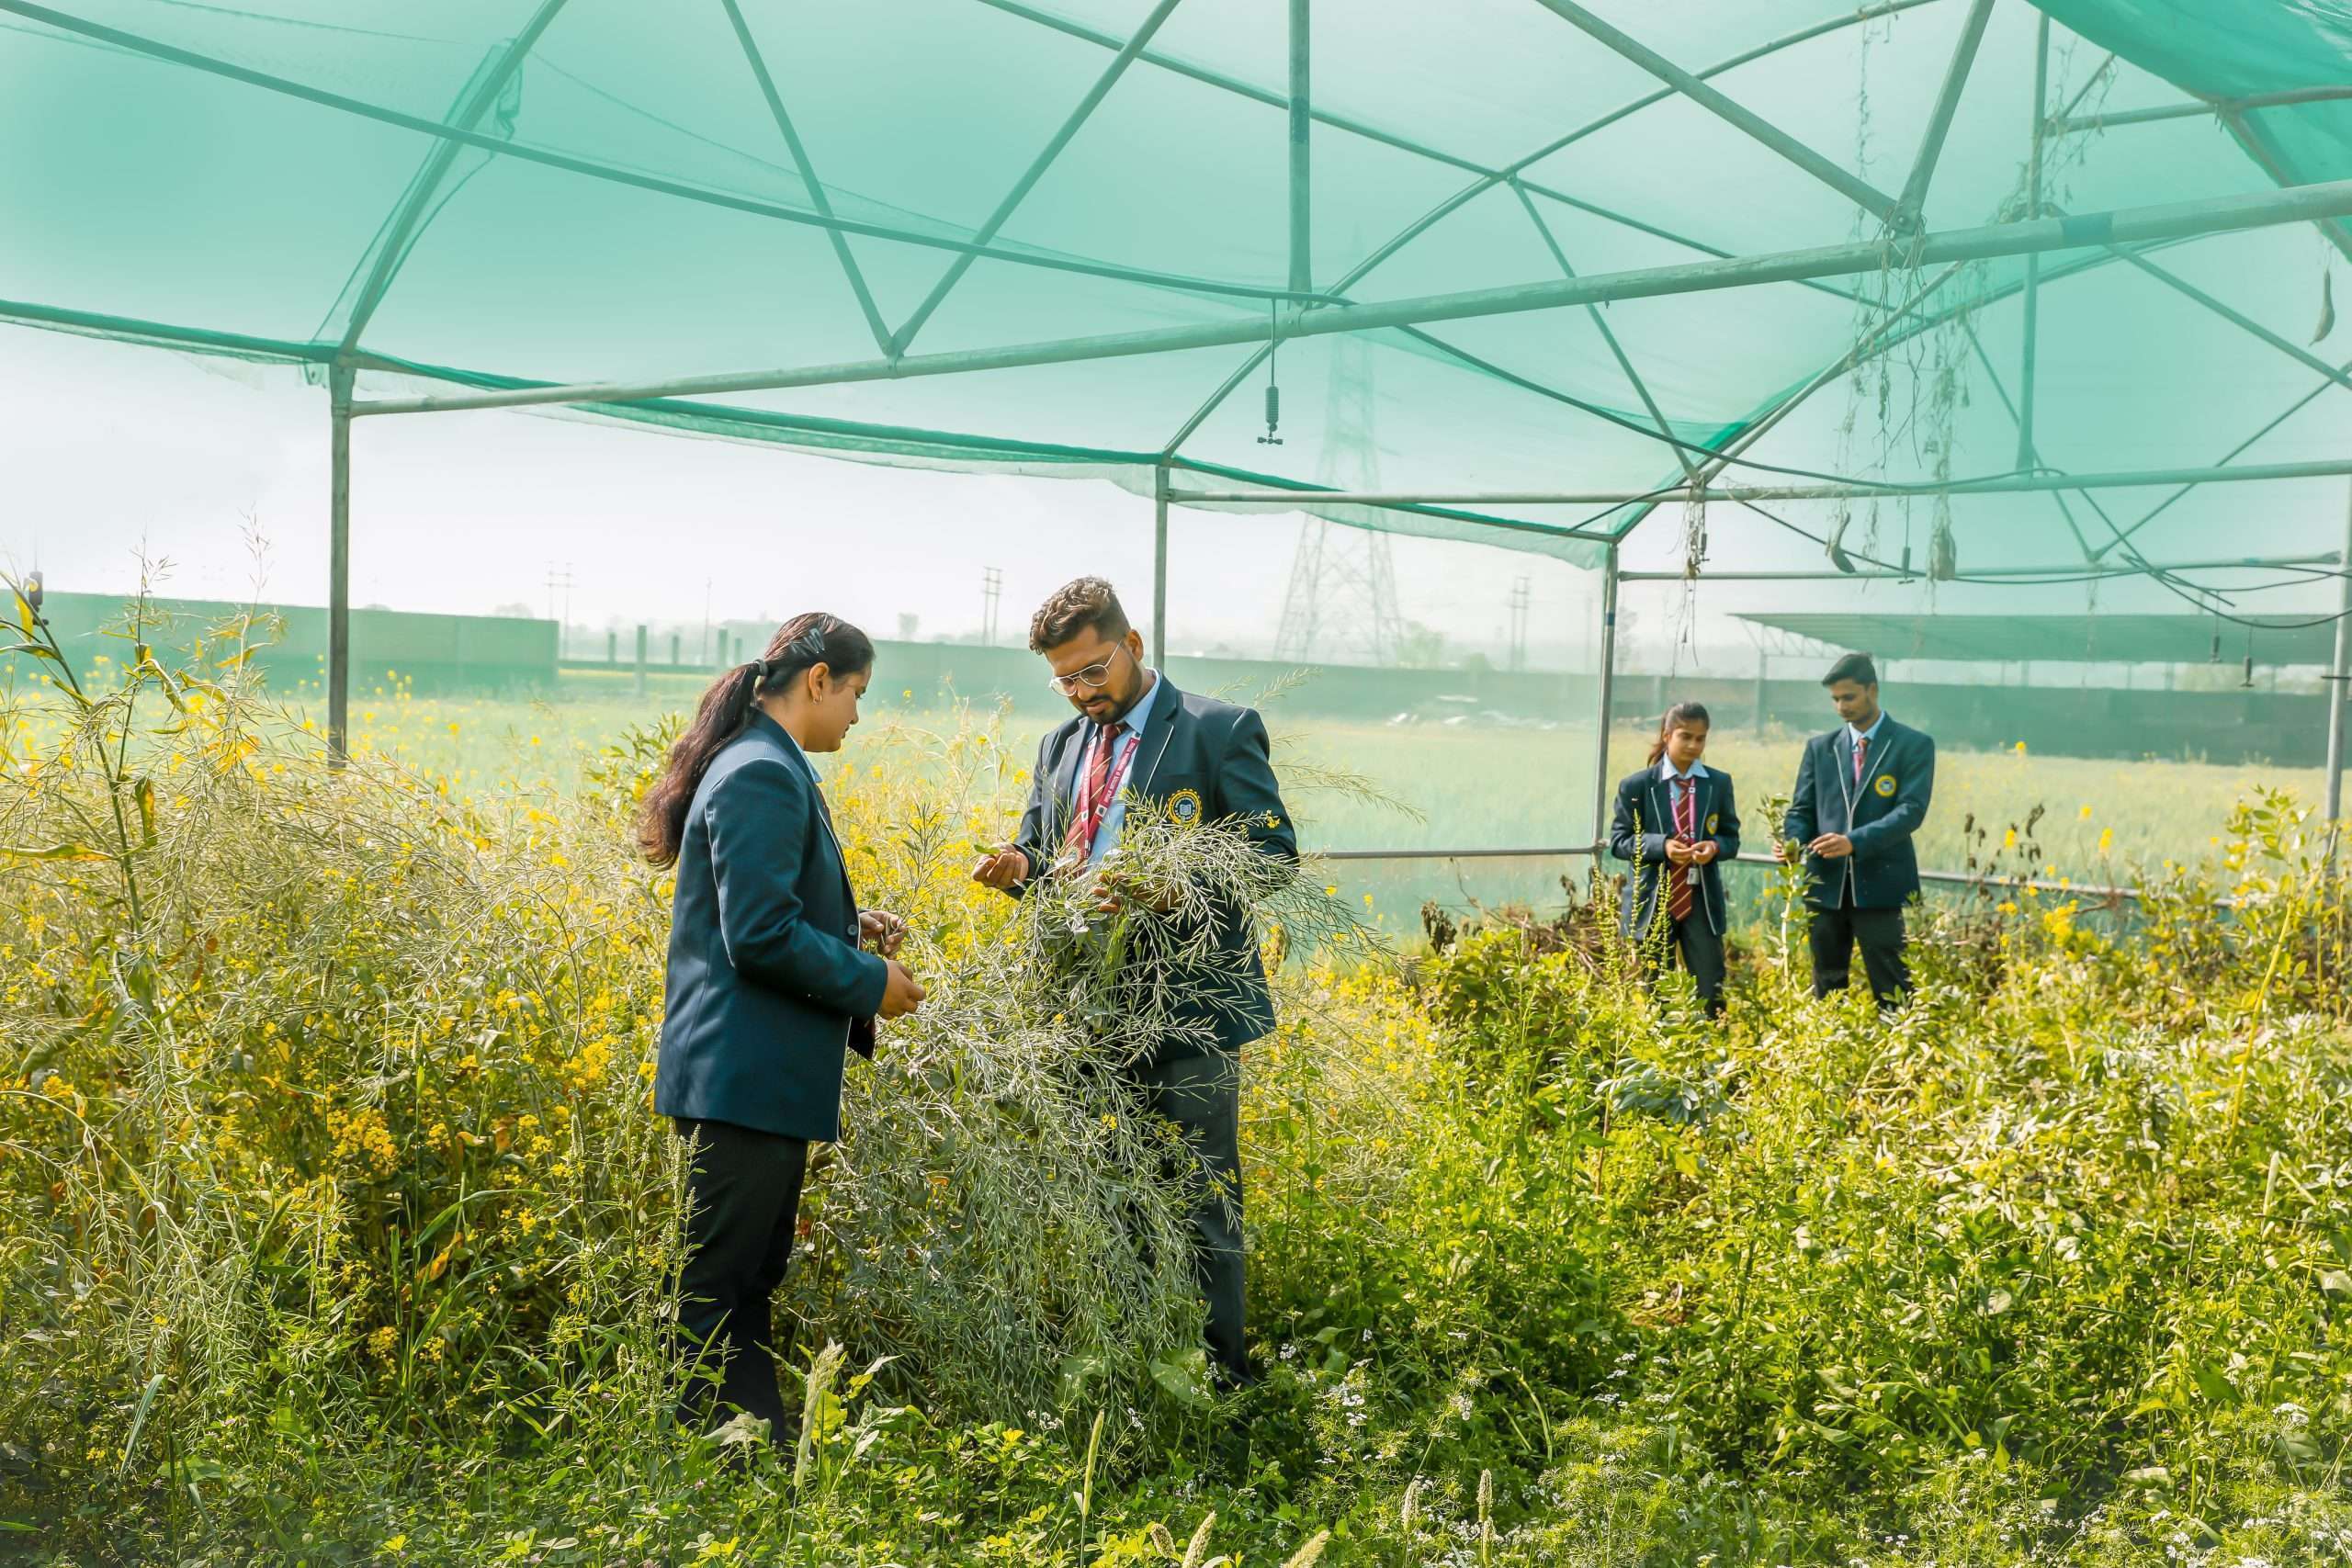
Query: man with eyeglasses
[(1138, 743)]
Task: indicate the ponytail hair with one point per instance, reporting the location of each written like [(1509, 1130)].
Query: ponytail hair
[(1680, 715), (801, 643)]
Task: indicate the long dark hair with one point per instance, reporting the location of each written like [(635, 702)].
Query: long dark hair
[(801, 643), (1676, 718)]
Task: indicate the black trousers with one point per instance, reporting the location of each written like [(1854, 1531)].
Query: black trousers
[(744, 1197), (1700, 950), (1202, 1095), (1833, 936)]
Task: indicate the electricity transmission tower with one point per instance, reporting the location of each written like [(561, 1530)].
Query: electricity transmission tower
[(1342, 601), (992, 589), (1523, 591)]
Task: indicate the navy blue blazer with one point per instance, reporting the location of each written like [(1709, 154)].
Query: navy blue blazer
[(768, 986), (1879, 817), (1638, 831), (1204, 760)]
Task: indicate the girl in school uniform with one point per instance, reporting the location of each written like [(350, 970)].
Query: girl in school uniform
[(1675, 823), (769, 986)]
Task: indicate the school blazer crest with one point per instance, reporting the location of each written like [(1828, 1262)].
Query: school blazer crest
[(1198, 759), (1880, 814), (1642, 822)]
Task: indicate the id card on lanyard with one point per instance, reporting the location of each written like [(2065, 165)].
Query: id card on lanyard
[(1090, 810)]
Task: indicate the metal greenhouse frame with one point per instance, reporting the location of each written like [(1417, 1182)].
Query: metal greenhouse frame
[(1298, 309)]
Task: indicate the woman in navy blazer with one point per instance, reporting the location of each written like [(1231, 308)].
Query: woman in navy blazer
[(768, 984), (1678, 813)]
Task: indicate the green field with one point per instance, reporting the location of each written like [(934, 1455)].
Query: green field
[(2103, 822)]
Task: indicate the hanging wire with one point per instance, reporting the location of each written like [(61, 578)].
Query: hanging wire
[(1273, 391)]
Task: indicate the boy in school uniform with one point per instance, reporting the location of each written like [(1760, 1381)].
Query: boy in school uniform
[(1862, 793), (1675, 823)]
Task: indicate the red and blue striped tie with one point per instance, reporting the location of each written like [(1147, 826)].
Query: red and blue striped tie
[(1678, 880)]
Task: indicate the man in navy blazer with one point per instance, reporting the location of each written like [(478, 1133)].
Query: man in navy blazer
[(1138, 741), (1861, 791)]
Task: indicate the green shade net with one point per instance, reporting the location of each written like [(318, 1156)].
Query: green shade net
[(500, 192)]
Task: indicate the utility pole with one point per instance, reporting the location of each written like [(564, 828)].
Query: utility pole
[(1523, 591), (992, 589), (559, 580)]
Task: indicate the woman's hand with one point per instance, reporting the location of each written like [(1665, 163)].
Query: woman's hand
[(901, 993), (882, 929)]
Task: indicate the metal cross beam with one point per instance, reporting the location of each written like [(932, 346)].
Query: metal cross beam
[(2004, 484), (2232, 456), (1601, 324), (1864, 348), (2335, 231), (2201, 108), (588, 168), (1077, 118), (1302, 177), (800, 161), (2172, 220), (2028, 454), (2238, 319), (1914, 200), (1850, 185), (401, 228), (2032, 333), (1512, 172), (2022, 576)]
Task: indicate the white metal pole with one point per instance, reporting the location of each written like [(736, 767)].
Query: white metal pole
[(2007, 484), (2023, 576), (2204, 109), (2340, 672), (2026, 459), (2298, 203), (1301, 165), (1608, 685), (1033, 173), (1853, 187), (1914, 200), (339, 378), (1159, 567)]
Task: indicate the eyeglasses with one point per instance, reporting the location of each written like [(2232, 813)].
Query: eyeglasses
[(1093, 678)]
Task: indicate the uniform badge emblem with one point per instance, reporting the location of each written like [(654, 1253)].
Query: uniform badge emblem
[(1184, 807), (1885, 786), (1713, 817)]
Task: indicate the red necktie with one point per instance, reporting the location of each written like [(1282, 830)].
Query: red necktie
[(1861, 750), (1094, 800), (1678, 878)]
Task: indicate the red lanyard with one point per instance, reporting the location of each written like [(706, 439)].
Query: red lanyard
[(1092, 809)]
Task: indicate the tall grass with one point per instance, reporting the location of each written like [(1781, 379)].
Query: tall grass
[(336, 1225)]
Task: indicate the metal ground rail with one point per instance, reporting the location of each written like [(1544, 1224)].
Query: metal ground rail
[(2101, 891)]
